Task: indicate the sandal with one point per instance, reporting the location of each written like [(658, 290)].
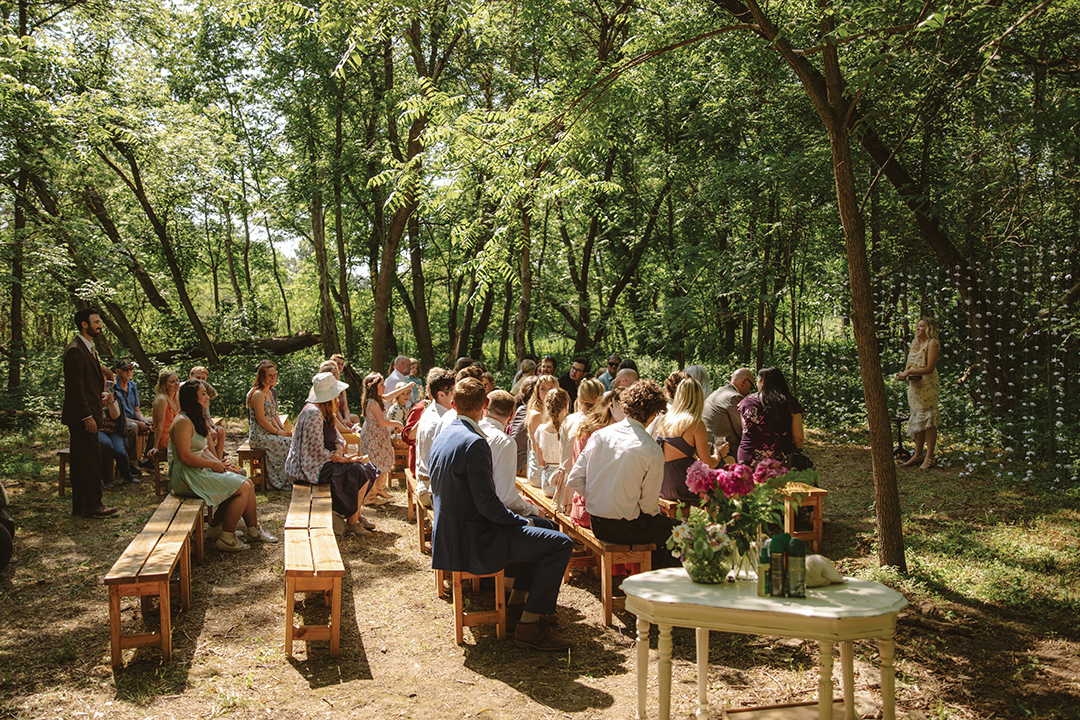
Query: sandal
[(913, 461), (928, 463)]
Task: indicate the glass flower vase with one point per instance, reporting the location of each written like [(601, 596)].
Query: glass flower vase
[(712, 571)]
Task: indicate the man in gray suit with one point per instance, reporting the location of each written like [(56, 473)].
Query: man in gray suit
[(721, 414)]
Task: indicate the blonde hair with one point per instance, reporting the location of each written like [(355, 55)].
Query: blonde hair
[(931, 331), (599, 416), (537, 400), (163, 380), (556, 402), (685, 409), (589, 391)]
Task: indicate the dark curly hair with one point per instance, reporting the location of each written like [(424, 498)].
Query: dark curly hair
[(643, 400)]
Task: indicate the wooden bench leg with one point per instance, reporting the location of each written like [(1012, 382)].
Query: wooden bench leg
[(459, 610), (607, 585), (62, 478), (185, 575), (335, 617), (116, 654), (290, 599), (166, 621)]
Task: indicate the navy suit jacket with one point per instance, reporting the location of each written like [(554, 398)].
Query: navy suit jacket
[(472, 527)]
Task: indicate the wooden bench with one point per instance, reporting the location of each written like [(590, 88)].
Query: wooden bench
[(401, 461), (161, 475), (312, 563), (146, 567), (812, 497), (63, 455), (606, 554), (254, 459)]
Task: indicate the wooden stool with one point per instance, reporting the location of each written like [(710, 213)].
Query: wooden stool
[(813, 498), (464, 619), (161, 478), (63, 455), (255, 461)]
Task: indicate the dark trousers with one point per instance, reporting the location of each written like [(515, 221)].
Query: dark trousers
[(642, 530), (542, 554), (85, 470)]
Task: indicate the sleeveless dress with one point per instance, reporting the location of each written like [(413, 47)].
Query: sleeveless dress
[(276, 446), (170, 415), (674, 487), (922, 394), (375, 440), (187, 481), (551, 447)]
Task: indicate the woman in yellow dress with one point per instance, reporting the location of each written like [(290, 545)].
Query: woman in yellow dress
[(923, 389)]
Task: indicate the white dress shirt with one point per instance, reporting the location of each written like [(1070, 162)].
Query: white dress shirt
[(620, 471), (426, 432), (504, 468), (448, 416)]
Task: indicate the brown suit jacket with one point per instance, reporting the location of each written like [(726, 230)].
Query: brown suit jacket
[(83, 385)]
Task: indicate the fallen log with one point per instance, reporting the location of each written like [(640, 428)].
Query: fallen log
[(273, 345)]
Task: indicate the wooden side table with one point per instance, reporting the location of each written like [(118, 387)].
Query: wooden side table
[(842, 613)]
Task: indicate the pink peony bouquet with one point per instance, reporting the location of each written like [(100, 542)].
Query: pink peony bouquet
[(736, 501)]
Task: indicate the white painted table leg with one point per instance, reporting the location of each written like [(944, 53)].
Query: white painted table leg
[(642, 667), (702, 637), (825, 688), (888, 680), (847, 661), (664, 667)]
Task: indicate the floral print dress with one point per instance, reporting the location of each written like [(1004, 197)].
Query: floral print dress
[(276, 446), (375, 440)]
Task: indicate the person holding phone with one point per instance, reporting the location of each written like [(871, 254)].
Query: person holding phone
[(111, 434)]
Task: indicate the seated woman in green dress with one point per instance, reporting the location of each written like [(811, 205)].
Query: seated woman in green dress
[(195, 473)]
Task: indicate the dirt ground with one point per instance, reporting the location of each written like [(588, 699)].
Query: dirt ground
[(398, 656)]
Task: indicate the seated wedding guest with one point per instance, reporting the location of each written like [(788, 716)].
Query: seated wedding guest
[(416, 380), (682, 434), (474, 532), (620, 472), (550, 439), (489, 381), (670, 385), (548, 365), (111, 435), (399, 406), (127, 394), (399, 372), (339, 420), (462, 363), (193, 473), (349, 419), (317, 455), (608, 376), (589, 393), (504, 452), (723, 423), (772, 420), (375, 440), (440, 385), (166, 406), (544, 385), (699, 373), (527, 370), (521, 364), (624, 378), (519, 429), (216, 440), (408, 433), (265, 430), (599, 416)]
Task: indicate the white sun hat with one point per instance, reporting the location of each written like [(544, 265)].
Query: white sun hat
[(325, 387)]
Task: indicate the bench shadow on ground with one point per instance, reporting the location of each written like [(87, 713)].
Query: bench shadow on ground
[(551, 679), (311, 660)]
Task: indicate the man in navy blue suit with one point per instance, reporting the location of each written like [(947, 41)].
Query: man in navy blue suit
[(474, 532)]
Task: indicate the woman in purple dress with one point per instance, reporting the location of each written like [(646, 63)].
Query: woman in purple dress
[(772, 420)]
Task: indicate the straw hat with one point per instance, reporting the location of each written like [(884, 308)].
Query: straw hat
[(325, 387)]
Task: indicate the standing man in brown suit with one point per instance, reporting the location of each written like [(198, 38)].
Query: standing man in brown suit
[(83, 388)]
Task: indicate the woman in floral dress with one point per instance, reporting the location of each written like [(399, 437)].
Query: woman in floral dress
[(375, 434), (265, 430), (923, 389), (772, 420)]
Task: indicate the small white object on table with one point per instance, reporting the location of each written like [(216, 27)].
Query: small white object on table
[(841, 613)]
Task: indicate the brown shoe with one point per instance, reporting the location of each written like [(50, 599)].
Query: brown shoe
[(100, 512), (533, 635), (514, 612)]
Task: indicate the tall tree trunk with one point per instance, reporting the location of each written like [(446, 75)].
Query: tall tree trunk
[(339, 225), (227, 209), (211, 256), (421, 322), (521, 322), (247, 242), (135, 184), (504, 332), (476, 347), (17, 348)]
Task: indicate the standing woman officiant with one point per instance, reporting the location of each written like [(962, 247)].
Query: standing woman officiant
[(923, 390)]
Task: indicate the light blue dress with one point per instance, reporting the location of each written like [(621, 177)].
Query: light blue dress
[(187, 481)]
